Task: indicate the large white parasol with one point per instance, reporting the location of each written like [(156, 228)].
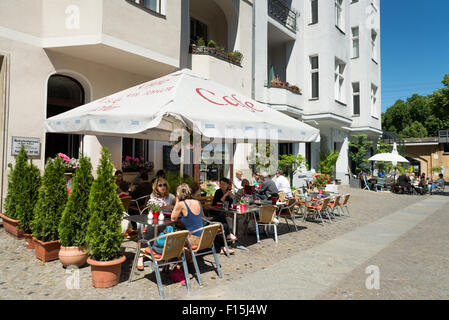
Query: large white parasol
[(392, 156)]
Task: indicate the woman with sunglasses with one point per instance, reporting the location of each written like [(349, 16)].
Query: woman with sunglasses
[(161, 192)]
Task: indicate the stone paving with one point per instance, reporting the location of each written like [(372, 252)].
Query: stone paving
[(22, 276)]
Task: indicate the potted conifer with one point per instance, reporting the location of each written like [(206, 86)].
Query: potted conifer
[(23, 184), (75, 217), (32, 180), (48, 210), (104, 235)]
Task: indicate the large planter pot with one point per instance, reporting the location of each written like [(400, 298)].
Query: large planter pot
[(30, 241), (47, 251), (10, 226), (73, 256), (106, 274)]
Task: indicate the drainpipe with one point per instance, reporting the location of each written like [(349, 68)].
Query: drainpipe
[(253, 52)]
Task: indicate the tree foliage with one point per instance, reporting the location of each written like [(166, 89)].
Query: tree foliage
[(104, 236), (23, 185), (75, 217), (358, 148), (419, 116), (289, 163), (51, 202), (327, 162)]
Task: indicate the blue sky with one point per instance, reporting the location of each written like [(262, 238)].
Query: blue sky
[(414, 47)]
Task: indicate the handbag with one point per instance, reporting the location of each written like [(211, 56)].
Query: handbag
[(160, 242)]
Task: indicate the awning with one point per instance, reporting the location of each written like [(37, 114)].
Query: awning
[(153, 110)]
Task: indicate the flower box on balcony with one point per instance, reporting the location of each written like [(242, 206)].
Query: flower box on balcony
[(231, 57)]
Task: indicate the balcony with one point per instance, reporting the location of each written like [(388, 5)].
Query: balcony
[(284, 99), (279, 10)]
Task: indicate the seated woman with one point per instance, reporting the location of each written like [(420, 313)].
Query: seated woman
[(246, 190), (438, 183), (161, 192), (123, 189), (190, 213)]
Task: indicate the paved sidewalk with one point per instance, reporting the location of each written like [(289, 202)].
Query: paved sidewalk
[(309, 274)]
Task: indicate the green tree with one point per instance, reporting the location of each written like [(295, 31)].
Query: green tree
[(439, 100), (51, 202), (415, 130), (327, 163), (16, 185), (31, 179), (104, 236), (75, 217), (289, 163), (358, 148)]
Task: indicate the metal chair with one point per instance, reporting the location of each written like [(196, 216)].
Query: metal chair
[(344, 204), (173, 252), (320, 210), (220, 231), (288, 211), (380, 183), (126, 201), (205, 246), (141, 208), (334, 205), (266, 218), (367, 184)]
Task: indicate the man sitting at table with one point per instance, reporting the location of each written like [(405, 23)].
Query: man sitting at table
[(282, 184), (405, 182), (268, 189)]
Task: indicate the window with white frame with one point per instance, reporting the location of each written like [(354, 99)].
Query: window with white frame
[(355, 42), (339, 80), (314, 11), (373, 44), (356, 98), (314, 77), (374, 101), (339, 17)]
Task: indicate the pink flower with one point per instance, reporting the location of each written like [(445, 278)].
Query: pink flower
[(127, 158), (142, 158)]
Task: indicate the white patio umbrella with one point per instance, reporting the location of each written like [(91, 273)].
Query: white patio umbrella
[(153, 110), (392, 156)]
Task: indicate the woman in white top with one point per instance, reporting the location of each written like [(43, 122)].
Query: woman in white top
[(161, 192), (238, 181)]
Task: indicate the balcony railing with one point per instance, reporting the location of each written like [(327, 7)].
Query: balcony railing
[(279, 10), (443, 136)]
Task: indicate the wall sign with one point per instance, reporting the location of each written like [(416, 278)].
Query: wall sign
[(32, 146)]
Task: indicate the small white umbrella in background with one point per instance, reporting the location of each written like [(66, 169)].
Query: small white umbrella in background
[(392, 156)]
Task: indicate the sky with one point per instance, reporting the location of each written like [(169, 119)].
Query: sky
[(414, 47)]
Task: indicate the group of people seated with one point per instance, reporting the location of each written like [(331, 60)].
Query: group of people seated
[(187, 210), (410, 184)]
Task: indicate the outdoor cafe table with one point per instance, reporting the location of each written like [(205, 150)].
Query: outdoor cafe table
[(142, 221), (235, 212)]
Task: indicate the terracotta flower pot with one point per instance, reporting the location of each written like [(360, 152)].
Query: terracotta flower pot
[(106, 274), (73, 256), (47, 251), (30, 241), (10, 226)]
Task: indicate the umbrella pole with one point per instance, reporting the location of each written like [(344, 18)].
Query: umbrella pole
[(196, 159), (181, 164)]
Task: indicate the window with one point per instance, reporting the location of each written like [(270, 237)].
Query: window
[(373, 45), (356, 98), (153, 5), (355, 42), (339, 80), (339, 19), (446, 147), (314, 7), (314, 77), (374, 101), (135, 148), (197, 30)]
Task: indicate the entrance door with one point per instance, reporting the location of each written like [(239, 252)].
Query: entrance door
[(64, 94)]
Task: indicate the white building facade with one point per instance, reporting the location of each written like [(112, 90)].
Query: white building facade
[(331, 50), (59, 54)]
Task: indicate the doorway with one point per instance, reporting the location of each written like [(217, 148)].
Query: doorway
[(64, 93)]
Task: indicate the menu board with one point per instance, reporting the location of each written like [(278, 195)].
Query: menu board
[(32, 146)]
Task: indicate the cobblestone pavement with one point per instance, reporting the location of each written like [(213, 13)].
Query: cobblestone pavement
[(22, 276)]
